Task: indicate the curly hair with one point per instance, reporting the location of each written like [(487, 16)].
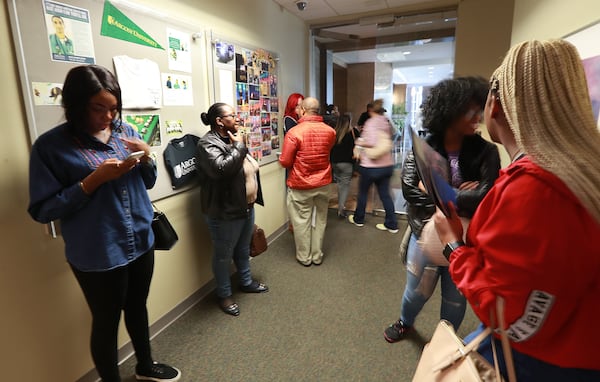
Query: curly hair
[(449, 100)]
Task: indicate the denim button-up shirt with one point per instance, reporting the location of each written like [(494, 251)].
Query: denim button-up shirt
[(106, 229)]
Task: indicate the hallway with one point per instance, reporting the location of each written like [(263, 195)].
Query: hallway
[(320, 323)]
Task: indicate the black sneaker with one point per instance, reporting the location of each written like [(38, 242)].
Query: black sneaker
[(397, 332), (158, 372)]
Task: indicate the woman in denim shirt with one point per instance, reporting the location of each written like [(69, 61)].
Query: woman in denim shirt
[(80, 174)]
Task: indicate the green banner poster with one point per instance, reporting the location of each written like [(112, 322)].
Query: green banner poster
[(116, 25)]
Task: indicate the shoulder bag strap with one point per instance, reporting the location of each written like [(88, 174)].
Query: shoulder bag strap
[(508, 358), (462, 352)]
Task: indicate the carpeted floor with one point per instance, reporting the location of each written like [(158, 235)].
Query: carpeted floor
[(320, 323)]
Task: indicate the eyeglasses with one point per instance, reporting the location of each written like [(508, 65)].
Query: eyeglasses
[(228, 115)]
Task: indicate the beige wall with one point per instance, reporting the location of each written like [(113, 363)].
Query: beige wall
[(537, 19), (482, 36), (45, 321)]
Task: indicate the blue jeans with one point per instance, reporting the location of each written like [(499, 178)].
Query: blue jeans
[(421, 280), (381, 177), (529, 369), (342, 175), (231, 241)]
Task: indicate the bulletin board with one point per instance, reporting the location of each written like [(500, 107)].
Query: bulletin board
[(161, 64), (246, 78)]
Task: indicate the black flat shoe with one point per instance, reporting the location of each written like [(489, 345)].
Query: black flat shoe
[(229, 307), (254, 287)]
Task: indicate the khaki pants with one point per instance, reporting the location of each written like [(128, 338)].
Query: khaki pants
[(308, 237)]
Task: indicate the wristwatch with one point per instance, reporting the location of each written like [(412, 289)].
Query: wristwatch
[(450, 247)]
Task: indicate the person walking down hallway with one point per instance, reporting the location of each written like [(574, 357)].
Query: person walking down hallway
[(342, 161), (79, 174), (375, 169), (451, 115), (305, 152), (230, 186)]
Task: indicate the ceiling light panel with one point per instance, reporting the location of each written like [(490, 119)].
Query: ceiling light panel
[(345, 7)]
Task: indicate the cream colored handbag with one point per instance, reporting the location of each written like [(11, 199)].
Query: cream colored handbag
[(447, 359)]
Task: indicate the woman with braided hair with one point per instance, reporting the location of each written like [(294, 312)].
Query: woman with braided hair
[(531, 241)]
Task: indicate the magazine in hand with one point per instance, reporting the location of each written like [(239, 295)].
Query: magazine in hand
[(433, 171)]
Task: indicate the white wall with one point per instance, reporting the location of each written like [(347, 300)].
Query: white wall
[(44, 320)]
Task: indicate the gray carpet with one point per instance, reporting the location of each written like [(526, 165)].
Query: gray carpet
[(320, 323)]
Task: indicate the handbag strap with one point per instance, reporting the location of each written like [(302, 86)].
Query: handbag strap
[(461, 353), (494, 351), (154, 207), (508, 358)]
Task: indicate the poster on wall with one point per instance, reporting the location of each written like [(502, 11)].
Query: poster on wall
[(177, 89), (140, 82), (69, 33), (47, 93), (586, 41), (179, 55), (248, 78), (147, 125)]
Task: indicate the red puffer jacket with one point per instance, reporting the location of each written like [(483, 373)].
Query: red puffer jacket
[(306, 152)]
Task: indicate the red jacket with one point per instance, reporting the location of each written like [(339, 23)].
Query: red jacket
[(532, 242), (305, 151)]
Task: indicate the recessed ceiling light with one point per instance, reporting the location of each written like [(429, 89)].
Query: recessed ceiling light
[(407, 52)]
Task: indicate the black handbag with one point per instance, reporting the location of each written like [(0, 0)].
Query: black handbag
[(165, 236)]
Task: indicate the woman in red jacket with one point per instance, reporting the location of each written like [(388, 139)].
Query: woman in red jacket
[(531, 241)]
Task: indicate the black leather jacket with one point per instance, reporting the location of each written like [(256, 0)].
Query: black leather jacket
[(222, 181), (478, 160)]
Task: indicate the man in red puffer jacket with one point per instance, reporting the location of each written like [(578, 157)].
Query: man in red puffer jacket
[(306, 153)]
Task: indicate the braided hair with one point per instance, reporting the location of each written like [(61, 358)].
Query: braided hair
[(544, 93)]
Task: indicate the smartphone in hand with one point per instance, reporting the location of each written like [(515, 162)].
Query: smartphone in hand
[(136, 155)]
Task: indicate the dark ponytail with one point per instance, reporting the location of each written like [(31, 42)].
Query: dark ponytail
[(210, 117)]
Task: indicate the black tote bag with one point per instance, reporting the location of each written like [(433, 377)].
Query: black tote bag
[(165, 235)]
